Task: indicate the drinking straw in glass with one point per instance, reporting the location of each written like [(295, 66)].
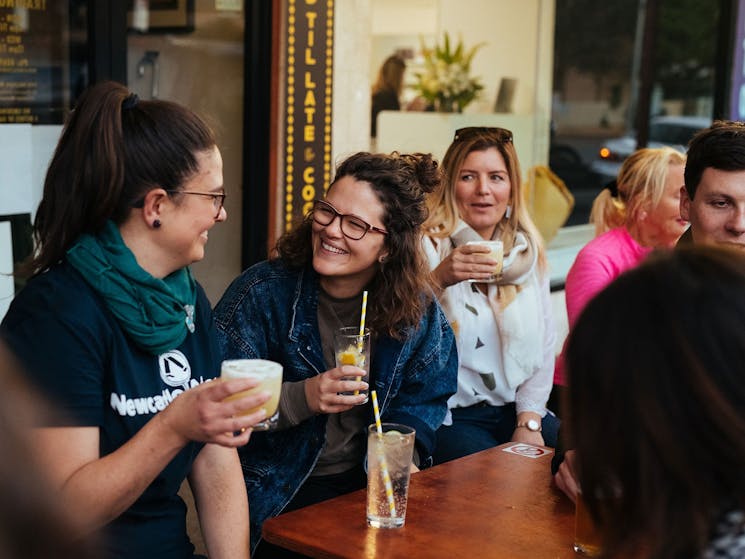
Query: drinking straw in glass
[(381, 455), (362, 332)]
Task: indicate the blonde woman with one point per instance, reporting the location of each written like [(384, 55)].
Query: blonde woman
[(642, 215), (504, 326)]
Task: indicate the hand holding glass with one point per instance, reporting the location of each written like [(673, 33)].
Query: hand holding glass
[(352, 349), (496, 253), (269, 374)]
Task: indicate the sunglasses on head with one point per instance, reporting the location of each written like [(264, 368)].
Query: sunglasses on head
[(500, 134)]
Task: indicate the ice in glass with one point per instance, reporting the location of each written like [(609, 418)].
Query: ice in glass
[(352, 349), (388, 456)]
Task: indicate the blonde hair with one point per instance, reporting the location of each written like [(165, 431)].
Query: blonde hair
[(442, 203), (641, 183)]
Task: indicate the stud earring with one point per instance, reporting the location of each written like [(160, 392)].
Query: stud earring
[(156, 224), (381, 259)]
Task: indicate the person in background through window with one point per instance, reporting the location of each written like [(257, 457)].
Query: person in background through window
[(386, 91)]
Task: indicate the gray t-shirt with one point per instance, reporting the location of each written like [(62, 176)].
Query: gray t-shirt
[(346, 443)]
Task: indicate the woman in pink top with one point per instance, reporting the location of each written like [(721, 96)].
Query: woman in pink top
[(642, 215)]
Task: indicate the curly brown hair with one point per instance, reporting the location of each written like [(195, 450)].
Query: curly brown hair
[(401, 289)]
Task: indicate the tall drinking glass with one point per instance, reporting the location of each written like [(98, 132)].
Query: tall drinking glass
[(586, 536), (352, 349), (388, 460)]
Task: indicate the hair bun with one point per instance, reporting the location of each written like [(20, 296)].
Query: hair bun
[(426, 169), (428, 172)]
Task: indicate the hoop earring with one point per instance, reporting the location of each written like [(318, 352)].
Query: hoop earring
[(156, 224), (508, 211)]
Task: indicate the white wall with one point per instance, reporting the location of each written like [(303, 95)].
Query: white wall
[(351, 98), (518, 43)]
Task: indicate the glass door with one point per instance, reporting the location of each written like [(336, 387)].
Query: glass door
[(192, 52)]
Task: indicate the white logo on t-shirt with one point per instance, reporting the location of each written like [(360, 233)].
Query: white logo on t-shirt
[(175, 369)]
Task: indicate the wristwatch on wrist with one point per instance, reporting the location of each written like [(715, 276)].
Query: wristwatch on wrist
[(530, 425)]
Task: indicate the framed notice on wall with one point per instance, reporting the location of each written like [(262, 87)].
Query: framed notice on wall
[(161, 16), (308, 85), (34, 59)]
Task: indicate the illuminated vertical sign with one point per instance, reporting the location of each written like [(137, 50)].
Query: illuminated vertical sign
[(308, 88)]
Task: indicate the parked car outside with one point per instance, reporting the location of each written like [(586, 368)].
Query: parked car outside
[(673, 131)]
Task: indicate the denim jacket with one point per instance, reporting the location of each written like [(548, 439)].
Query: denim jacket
[(270, 312)]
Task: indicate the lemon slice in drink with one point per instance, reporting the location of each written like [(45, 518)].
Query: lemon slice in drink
[(393, 434), (348, 357)]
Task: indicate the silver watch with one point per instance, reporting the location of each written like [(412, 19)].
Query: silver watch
[(531, 425)]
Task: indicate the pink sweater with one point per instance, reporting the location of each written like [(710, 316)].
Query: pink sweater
[(597, 264)]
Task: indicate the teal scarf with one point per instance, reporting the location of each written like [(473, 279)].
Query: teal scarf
[(157, 314)]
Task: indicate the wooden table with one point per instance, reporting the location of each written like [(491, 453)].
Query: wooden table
[(494, 503)]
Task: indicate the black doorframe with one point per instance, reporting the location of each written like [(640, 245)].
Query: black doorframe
[(107, 40), (107, 60), (724, 58), (256, 131)]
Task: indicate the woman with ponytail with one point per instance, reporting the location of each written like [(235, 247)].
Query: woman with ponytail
[(115, 331), (640, 215)]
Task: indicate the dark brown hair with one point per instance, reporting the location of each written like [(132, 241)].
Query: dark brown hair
[(721, 146), (113, 149), (390, 75), (402, 289), (657, 402)]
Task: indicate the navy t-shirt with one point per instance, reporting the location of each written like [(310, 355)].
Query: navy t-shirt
[(76, 352)]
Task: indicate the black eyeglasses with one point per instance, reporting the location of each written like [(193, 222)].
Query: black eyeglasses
[(500, 134), (352, 226), (218, 199)]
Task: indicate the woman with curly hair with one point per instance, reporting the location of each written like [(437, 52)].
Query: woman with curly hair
[(363, 236)]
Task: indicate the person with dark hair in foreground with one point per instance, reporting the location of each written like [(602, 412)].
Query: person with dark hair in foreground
[(33, 522), (657, 407)]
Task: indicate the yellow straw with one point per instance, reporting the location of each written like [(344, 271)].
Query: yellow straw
[(362, 320), (381, 456), (362, 332)]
